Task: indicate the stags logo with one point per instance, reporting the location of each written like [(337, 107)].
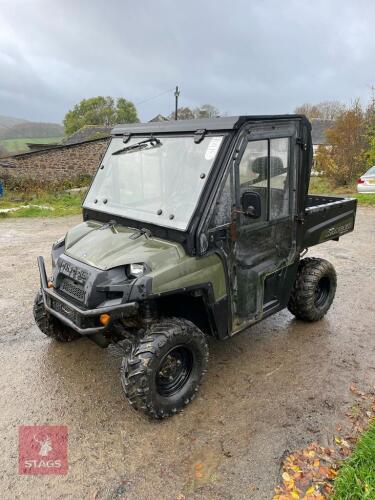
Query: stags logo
[(43, 449)]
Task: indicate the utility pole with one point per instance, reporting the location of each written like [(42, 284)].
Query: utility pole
[(176, 94)]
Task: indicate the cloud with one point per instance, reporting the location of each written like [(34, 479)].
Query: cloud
[(243, 57)]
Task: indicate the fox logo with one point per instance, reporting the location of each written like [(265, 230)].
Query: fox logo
[(45, 446)]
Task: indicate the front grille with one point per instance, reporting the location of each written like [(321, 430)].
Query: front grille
[(74, 290), (66, 311)]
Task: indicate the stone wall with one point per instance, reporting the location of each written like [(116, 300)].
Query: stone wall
[(58, 164)]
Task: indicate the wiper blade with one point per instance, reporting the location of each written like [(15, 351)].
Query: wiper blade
[(152, 142)]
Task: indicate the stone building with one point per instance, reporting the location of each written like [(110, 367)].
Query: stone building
[(80, 155)]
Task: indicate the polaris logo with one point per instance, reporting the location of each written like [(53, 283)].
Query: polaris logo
[(73, 272)]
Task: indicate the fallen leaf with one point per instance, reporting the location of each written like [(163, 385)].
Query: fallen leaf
[(332, 473), (286, 476), (295, 468), (324, 471), (311, 490)]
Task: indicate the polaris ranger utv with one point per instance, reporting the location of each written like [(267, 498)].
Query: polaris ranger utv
[(191, 229)]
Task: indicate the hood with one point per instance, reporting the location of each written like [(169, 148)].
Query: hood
[(106, 247)]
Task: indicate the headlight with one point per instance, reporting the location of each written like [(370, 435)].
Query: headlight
[(57, 249), (58, 243), (136, 270)]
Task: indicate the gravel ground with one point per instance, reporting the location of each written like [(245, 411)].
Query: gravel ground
[(270, 389)]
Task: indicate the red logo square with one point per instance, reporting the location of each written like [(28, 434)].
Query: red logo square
[(43, 449)]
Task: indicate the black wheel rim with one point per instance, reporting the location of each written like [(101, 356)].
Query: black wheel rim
[(322, 291), (174, 371)]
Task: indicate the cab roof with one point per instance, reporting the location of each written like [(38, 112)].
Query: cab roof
[(223, 124)]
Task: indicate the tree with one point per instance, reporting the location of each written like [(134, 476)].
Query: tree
[(126, 112), (100, 111), (370, 134), (327, 110), (206, 111), (343, 158), (203, 111), (370, 152), (183, 114)]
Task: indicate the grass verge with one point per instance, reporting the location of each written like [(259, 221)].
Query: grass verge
[(67, 203), (356, 478), (59, 204), (321, 185)]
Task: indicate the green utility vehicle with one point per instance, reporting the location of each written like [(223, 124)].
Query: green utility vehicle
[(191, 229)]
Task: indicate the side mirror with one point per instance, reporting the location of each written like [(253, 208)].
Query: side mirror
[(251, 204)]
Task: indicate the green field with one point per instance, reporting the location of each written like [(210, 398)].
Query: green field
[(59, 204), (14, 146)]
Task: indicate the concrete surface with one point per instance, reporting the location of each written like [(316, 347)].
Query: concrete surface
[(273, 388)]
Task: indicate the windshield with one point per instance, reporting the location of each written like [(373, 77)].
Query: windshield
[(160, 184)]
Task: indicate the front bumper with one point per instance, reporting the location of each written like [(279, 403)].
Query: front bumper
[(75, 316)]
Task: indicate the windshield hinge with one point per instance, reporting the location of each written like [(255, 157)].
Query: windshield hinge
[(301, 143), (199, 135), (141, 232)]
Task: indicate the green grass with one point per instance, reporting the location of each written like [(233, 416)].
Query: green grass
[(62, 203), (13, 146), (356, 478), (321, 185), (365, 199)]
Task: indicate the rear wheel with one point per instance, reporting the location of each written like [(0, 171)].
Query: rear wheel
[(163, 372), (314, 289), (49, 325)]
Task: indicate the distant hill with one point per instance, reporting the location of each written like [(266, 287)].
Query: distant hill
[(30, 130), (15, 133), (9, 121)]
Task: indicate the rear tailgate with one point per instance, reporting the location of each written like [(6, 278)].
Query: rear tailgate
[(327, 218)]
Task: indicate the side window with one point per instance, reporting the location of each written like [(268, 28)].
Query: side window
[(279, 178), (253, 172), (264, 168)]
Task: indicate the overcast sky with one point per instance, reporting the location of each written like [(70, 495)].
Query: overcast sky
[(243, 56)]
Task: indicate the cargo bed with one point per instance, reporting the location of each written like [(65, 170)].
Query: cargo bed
[(327, 218)]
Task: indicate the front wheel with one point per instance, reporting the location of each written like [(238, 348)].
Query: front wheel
[(314, 289), (49, 325), (163, 372)]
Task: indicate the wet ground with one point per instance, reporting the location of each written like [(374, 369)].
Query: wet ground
[(271, 389)]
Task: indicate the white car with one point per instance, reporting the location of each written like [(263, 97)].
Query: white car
[(366, 183)]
